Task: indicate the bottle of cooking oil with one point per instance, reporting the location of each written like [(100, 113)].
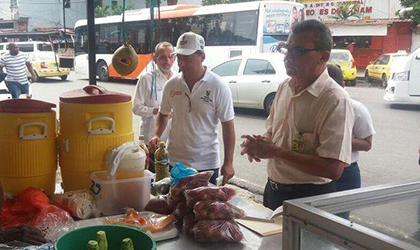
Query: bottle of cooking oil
[(161, 162)]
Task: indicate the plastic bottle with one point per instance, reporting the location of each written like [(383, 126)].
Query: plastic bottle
[(161, 162), (142, 144)]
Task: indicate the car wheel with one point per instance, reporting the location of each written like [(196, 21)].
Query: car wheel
[(367, 78), (63, 78), (384, 81), (353, 83), (268, 102), (102, 71)]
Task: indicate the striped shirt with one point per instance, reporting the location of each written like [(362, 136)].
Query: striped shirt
[(15, 67)]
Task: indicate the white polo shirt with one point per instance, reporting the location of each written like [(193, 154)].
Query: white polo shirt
[(193, 136), (363, 125), (319, 117)]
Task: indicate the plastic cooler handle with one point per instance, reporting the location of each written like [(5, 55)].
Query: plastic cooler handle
[(91, 89), (22, 127), (101, 131)]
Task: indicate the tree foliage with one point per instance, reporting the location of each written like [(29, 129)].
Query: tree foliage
[(107, 11), (415, 13), (345, 10)]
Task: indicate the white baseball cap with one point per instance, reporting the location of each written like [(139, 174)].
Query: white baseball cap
[(188, 43)]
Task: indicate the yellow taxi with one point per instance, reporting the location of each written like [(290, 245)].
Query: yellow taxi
[(344, 59), (379, 69), (45, 65)]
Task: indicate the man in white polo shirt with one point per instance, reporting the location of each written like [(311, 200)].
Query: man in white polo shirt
[(198, 99), (16, 63)]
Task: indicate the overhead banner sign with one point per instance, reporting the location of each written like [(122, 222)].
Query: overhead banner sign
[(325, 10)]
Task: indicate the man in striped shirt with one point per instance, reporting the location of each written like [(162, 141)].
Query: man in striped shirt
[(16, 63)]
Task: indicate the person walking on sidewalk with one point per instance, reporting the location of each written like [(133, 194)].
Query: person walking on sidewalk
[(16, 63)]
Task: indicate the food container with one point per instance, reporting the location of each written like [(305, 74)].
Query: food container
[(28, 150), (132, 164), (92, 121), (78, 239), (113, 195)]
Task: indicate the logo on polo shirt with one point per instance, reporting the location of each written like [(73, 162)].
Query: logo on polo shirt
[(175, 92), (206, 97)]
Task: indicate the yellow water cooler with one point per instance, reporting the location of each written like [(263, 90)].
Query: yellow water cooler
[(92, 121), (28, 150)]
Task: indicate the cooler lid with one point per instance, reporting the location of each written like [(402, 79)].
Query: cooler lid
[(93, 94), (25, 106)]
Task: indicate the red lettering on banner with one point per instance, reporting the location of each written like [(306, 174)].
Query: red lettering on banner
[(368, 9), (333, 11)]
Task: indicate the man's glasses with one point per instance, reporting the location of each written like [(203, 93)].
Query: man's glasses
[(296, 51)]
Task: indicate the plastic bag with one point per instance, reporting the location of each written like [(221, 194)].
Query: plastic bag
[(179, 171), (53, 222), (180, 211), (217, 230), (217, 210), (159, 205), (23, 209), (23, 246), (208, 193), (189, 222), (146, 221), (194, 181), (79, 204), (161, 187)]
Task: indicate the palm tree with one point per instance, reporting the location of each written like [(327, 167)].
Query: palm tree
[(102, 11)]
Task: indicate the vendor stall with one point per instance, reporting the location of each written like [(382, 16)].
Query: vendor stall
[(379, 217)]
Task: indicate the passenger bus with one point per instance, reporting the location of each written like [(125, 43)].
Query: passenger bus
[(229, 30)]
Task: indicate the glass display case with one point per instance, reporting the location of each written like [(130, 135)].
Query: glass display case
[(380, 218)]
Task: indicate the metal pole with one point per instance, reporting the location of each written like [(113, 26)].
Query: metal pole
[(64, 18), (91, 41)]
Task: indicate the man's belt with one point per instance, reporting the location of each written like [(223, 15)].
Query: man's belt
[(294, 187)]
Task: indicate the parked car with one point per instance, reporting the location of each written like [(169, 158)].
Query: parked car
[(379, 69), (45, 65), (344, 59), (404, 82), (253, 79)]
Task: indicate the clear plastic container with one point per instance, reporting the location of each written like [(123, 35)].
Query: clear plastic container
[(113, 195)]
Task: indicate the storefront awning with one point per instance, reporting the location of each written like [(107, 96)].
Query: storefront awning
[(365, 30)]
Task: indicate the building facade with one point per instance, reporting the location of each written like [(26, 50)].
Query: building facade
[(372, 30)]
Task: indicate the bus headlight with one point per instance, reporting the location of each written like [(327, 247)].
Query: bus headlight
[(402, 76)]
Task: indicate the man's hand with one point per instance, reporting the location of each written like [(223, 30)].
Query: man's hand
[(155, 111), (257, 147), (153, 144), (228, 172), (33, 78), (27, 234)]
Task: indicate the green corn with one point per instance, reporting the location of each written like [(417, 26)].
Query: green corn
[(127, 244), (102, 241), (92, 245)]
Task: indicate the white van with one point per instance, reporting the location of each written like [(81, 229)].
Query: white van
[(404, 84), (30, 46)]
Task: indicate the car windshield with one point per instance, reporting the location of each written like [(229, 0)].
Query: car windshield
[(44, 47), (339, 57)]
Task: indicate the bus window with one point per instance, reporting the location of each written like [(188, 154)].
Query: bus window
[(246, 28), (80, 40)]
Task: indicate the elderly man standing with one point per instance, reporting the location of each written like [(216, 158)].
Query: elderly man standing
[(150, 87), (308, 138), (198, 99), (16, 63)]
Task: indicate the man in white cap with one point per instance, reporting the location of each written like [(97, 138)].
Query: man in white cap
[(198, 99)]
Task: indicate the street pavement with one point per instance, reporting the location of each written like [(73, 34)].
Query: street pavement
[(392, 159)]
